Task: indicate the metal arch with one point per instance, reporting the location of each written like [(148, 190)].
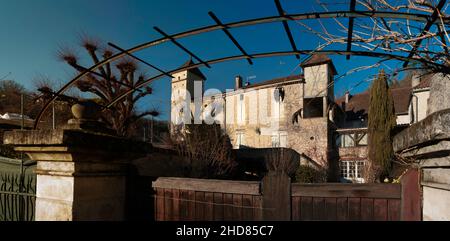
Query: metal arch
[(180, 46), (286, 27), (231, 37), (351, 23), (427, 27), (139, 59), (284, 53), (264, 20)]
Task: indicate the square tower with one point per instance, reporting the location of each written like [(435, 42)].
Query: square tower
[(187, 94)]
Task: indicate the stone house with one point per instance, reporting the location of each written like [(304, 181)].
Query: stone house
[(411, 106), (299, 112), (261, 115)]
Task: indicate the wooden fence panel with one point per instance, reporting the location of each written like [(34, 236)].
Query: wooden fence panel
[(380, 209), (190, 200), (306, 208), (184, 205), (176, 205), (200, 206), (257, 208), (331, 209), (367, 209), (159, 204), (206, 200), (343, 202), (191, 205), (168, 201), (247, 210), (209, 206), (342, 209), (237, 207), (296, 208), (218, 207), (394, 209), (228, 207), (276, 190), (319, 211)]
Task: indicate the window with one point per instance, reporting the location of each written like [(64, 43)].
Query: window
[(351, 140), (279, 140), (241, 110), (240, 139), (313, 107), (362, 139), (352, 171)]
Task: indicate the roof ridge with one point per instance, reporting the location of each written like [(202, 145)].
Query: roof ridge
[(276, 80)]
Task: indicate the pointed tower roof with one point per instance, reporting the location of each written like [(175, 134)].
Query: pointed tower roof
[(318, 59), (195, 71)]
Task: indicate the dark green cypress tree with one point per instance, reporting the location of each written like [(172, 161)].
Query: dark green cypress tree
[(382, 120)]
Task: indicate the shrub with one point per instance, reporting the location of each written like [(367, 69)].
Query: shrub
[(208, 150), (307, 174)]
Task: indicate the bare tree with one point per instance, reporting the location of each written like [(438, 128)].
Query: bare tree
[(62, 106), (420, 40), (208, 149), (110, 81)]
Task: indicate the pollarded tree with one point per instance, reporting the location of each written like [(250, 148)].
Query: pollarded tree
[(108, 82), (382, 121)]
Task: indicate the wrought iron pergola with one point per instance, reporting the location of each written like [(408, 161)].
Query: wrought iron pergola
[(282, 17)]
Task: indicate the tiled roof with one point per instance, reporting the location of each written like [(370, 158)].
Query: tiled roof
[(195, 71), (358, 104), (275, 81), (425, 82), (318, 59), (402, 97)]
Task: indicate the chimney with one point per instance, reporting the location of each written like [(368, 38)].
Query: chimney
[(415, 78), (238, 82), (347, 97)]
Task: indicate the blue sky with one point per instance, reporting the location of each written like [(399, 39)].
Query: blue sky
[(33, 30)]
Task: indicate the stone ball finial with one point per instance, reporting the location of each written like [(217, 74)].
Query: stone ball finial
[(86, 110)]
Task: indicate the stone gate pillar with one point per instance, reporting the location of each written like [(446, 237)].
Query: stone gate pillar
[(81, 171)]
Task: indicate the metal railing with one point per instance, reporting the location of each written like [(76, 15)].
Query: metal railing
[(17, 196)]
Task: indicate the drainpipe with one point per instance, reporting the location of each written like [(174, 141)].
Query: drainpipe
[(416, 117), (225, 112)]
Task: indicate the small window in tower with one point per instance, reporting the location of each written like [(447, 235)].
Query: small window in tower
[(313, 107)]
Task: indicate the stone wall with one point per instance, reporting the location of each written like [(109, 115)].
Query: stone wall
[(310, 137), (439, 93), (81, 174), (261, 121), (427, 143)]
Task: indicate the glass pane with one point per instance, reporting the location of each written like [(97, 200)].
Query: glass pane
[(361, 168), (363, 139), (339, 141), (352, 170), (283, 141), (344, 169), (275, 141), (348, 140)]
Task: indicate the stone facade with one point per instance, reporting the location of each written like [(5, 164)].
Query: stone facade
[(427, 145), (440, 97), (261, 115), (81, 175)]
